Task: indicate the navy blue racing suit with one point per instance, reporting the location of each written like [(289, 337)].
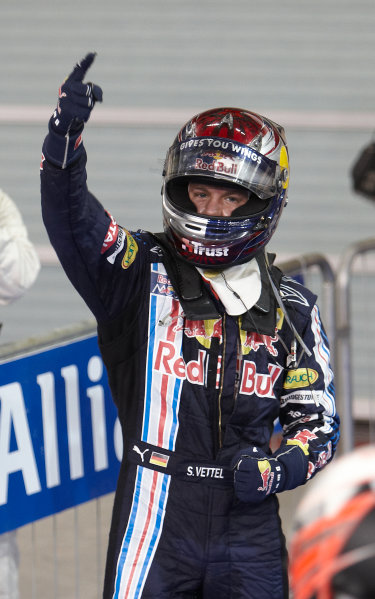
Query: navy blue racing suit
[(190, 394)]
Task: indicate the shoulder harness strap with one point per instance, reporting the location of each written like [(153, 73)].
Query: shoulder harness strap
[(196, 301)]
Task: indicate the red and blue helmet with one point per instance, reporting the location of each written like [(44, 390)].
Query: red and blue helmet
[(226, 147)]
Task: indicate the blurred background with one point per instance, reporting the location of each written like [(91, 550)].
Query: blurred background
[(309, 66)]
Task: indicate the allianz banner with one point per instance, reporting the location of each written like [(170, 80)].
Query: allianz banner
[(60, 439)]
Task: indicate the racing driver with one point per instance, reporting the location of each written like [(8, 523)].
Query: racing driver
[(206, 344)]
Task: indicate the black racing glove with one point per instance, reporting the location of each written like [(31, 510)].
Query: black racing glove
[(258, 475), (75, 103)]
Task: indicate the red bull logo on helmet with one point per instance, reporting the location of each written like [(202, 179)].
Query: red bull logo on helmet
[(218, 166)]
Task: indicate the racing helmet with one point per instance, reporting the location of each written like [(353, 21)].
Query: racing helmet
[(225, 147), (332, 550)]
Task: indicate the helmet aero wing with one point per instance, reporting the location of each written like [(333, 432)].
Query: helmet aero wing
[(226, 147)]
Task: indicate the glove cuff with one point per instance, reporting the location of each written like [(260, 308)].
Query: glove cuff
[(295, 463), (62, 150)]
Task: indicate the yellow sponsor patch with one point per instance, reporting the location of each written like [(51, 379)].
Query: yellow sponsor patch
[(131, 251), (300, 377), (284, 165)]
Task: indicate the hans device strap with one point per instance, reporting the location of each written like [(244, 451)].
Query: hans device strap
[(196, 301)]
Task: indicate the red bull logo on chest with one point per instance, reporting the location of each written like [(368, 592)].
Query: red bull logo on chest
[(161, 285), (168, 361), (259, 383), (253, 341), (202, 330)]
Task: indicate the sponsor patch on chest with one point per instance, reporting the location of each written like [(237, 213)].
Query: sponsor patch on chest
[(259, 383), (168, 361)]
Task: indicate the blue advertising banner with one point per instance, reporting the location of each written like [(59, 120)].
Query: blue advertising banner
[(60, 439)]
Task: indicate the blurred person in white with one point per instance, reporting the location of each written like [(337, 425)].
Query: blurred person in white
[(332, 553), (19, 268)]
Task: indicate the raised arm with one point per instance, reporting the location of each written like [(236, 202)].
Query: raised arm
[(89, 243)]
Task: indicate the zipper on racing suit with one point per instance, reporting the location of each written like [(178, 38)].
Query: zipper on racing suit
[(221, 380), (221, 384)]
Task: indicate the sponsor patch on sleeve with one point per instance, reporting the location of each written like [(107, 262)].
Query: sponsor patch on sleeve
[(302, 439), (310, 396), (300, 377), (117, 247), (111, 235), (131, 251)]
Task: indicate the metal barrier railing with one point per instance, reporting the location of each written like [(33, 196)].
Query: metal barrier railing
[(300, 266), (344, 375)]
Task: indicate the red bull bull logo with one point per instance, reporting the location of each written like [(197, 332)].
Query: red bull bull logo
[(302, 439), (323, 459), (267, 476), (202, 330), (253, 341)]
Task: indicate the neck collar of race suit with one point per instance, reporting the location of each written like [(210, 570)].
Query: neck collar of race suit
[(198, 301), (238, 287)]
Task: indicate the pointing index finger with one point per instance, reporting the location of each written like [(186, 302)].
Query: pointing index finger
[(82, 67)]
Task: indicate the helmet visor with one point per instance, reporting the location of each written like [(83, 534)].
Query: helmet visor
[(220, 158)]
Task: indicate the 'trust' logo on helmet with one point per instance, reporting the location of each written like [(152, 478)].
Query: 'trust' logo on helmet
[(194, 247)]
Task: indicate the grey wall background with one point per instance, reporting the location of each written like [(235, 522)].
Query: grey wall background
[(308, 65)]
